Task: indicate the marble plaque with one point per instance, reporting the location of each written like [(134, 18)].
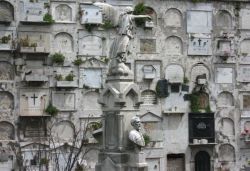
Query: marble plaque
[(63, 43), (244, 19), (174, 73), (91, 77), (246, 102), (244, 47), (244, 74), (173, 46), (199, 46), (147, 70), (64, 101), (173, 18), (33, 11), (7, 11), (91, 45), (224, 75), (91, 14), (147, 45), (199, 21), (63, 12)]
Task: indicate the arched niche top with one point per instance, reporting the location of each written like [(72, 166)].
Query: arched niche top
[(199, 69), (173, 18), (244, 46), (64, 42), (63, 130), (226, 153), (225, 99), (7, 131), (227, 126), (174, 45), (149, 97), (6, 100), (174, 73), (92, 45), (6, 71), (151, 12), (63, 13), (224, 19), (7, 11)]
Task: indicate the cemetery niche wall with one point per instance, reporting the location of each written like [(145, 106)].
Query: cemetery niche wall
[(187, 66)]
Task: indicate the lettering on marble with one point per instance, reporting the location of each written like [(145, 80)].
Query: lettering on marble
[(64, 101), (225, 99), (64, 42), (226, 153), (6, 71), (246, 102), (91, 14), (147, 70), (33, 127), (63, 13), (33, 103), (244, 19), (227, 126), (153, 164), (173, 18), (199, 46), (63, 131), (147, 45), (91, 77), (149, 97), (224, 75), (7, 131), (174, 45), (7, 11), (175, 162), (92, 45), (224, 19), (199, 69), (6, 101), (199, 21), (174, 73), (244, 47)]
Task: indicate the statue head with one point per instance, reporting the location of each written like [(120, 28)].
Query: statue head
[(136, 123), (128, 10)]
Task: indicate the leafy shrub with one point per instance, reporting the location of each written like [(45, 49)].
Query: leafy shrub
[(48, 18), (147, 139), (58, 58), (69, 77), (52, 110), (78, 61)]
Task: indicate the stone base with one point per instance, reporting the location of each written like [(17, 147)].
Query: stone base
[(111, 161)]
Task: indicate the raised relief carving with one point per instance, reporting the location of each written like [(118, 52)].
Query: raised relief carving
[(63, 13)]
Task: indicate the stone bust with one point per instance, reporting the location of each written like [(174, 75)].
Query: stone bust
[(135, 135)]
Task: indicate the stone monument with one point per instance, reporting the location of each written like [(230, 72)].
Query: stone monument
[(121, 100)]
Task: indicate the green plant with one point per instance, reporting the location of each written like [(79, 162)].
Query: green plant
[(44, 161), (208, 109), (58, 58), (185, 80), (69, 77), (107, 25), (59, 77), (89, 27), (33, 45), (194, 102), (147, 139), (96, 125), (140, 9), (25, 42), (48, 18), (6, 39), (78, 61), (52, 110)]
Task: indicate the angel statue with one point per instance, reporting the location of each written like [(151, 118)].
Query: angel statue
[(123, 20)]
